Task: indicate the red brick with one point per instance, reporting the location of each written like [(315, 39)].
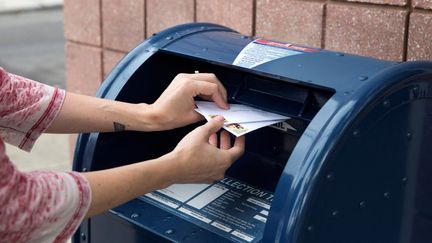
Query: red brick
[(82, 21), (375, 32), (123, 23), (83, 68), (110, 60), (237, 15), (420, 36), (387, 2), (162, 14), (426, 4), (295, 22)]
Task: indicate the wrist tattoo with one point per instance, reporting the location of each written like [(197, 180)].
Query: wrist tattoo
[(118, 127)]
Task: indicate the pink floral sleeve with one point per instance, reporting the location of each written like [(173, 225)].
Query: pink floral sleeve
[(35, 206)]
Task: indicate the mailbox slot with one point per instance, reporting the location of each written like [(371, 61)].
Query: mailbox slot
[(262, 162)]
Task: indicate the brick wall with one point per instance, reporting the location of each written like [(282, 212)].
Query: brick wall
[(100, 32)]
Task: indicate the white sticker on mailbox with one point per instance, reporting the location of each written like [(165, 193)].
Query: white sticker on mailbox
[(261, 51)]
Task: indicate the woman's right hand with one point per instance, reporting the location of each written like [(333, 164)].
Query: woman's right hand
[(197, 157)]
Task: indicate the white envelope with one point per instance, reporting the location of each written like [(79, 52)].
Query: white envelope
[(239, 119), (236, 113), (239, 129)]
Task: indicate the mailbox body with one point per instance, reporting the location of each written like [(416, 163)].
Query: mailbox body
[(355, 168)]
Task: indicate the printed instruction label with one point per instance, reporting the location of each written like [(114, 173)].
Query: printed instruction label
[(231, 208), (283, 126), (261, 51)]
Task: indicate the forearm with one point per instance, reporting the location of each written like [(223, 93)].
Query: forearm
[(113, 187), (82, 114)]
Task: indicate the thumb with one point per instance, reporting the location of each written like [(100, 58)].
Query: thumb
[(213, 125)]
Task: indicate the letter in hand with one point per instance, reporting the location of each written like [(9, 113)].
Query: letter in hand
[(199, 160), (175, 107)]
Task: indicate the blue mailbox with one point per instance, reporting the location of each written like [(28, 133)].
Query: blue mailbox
[(353, 164)]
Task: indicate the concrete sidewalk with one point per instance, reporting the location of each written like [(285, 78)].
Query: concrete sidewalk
[(23, 5), (49, 153), (34, 48)]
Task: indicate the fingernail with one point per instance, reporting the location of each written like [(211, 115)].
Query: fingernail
[(219, 118)]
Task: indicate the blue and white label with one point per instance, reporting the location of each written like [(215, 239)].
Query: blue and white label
[(229, 207), (256, 53), (261, 51)]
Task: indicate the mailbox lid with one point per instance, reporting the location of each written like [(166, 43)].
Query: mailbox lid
[(310, 66)]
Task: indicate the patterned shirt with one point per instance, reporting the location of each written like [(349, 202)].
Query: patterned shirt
[(35, 206)]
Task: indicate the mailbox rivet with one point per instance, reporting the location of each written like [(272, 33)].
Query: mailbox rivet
[(83, 237), (362, 204), (84, 169), (275, 150), (340, 54), (203, 28), (134, 215), (244, 37), (409, 135), (170, 231), (329, 177), (386, 195), (386, 103), (404, 181), (415, 88), (335, 213), (310, 228), (356, 133), (205, 49), (363, 78), (169, 38)]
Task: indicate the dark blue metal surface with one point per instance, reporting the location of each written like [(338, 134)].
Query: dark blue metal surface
[(356, 170), (378, 157)]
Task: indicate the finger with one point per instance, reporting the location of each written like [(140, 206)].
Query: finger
[(212, 126), (210, 181), (195, 117), (238, 149), (223, 105), (225, 140), (211, 90), (211, 77), (213, 139), (208, 77)]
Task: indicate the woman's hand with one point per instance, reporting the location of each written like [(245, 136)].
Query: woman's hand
[(175, 107), (197, 157)]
